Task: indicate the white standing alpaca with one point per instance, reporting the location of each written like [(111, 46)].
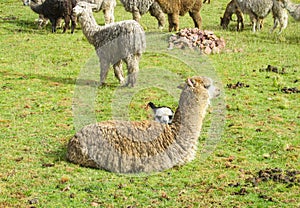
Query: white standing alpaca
[(114, 42), (146, 146)]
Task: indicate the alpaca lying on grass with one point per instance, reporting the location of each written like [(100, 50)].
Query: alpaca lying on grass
[(113, 43), (174, 8), (138, 8), (232, 8), (54, 10), (147, 146), (293, 9), (162, 114)]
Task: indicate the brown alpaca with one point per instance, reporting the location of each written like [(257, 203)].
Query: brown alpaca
[(232, 8), (147, 146), (174, 8)]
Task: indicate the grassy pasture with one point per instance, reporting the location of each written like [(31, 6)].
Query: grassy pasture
[(39, 70)]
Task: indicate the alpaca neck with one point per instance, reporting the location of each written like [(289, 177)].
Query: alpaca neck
[(189, 115), (37, 8), (89, 26)]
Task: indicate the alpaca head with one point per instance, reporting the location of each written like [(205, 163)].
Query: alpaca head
[(162, 114), (197, 89), (26, 2), (283, 3), (224, 22), (83, 6), (200, 84)]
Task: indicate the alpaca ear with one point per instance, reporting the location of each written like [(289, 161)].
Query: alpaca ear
[(93, 6), (190, 82)]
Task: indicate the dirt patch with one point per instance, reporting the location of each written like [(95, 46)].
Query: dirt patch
[(289, 177), (8, 18), (290, 90), (278, 175), (237, 85), (274, 69)]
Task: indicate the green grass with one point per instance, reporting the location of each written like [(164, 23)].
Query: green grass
[(39, 70)]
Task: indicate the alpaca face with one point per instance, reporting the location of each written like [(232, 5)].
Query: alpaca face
[(26, 2), (224, 22), (83, 6), (198, 83), (162, 114)]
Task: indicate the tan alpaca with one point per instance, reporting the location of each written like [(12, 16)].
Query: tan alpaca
[(147, 146)]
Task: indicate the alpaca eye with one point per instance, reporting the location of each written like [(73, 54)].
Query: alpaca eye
[(207, 86), (170, 117), (159, 117)]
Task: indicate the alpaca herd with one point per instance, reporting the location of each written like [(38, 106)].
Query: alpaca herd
[(258, 11), (170, 139)]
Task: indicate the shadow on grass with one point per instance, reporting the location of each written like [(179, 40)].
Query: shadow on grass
[(20, 76), (25, 26)]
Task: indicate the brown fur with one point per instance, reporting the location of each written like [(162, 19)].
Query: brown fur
[(147, 146), (232, 8), (174, 8)]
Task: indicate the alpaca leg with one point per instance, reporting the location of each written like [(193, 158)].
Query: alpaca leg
[(104, 67), (67, 23), (170, 22), (136, 14), (73, 23), (132, 62), (158, 14), (275, 24), (283, 21), (240, 21), (107, 16), (253, 21), (119, 72), (111, 15), (173, 22), (196, 18), (53, 23)]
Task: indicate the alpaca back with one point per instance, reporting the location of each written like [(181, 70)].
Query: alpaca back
[(261, 8), (54, 8), (143, 6), (183, 6), (121, 39)]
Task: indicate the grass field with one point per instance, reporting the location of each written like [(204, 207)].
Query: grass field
[(255, 158)]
